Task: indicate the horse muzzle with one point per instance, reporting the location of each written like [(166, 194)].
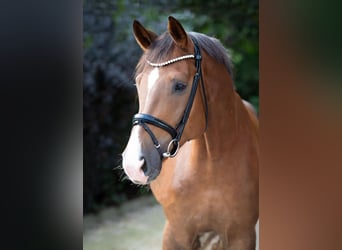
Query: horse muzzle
[(140, 161)]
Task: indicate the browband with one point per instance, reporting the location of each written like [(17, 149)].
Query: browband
[(170, 61)]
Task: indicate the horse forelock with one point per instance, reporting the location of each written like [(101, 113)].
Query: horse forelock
[(163, 47)]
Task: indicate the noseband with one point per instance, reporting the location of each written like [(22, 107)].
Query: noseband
[(176, 133)]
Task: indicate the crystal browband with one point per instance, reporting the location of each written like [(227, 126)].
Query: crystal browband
[(170, 61)]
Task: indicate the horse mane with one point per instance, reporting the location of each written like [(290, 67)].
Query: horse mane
[(162, 48)]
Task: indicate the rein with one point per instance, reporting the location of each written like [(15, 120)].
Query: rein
[(176, 133)]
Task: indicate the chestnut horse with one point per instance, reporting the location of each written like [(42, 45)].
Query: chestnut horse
[(194, 140)]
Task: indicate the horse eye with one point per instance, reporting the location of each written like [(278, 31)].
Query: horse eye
[(178, 87)]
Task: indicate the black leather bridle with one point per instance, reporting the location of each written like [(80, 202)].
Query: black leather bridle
[(176, 133)]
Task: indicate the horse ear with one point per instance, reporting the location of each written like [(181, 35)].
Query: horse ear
[(143, 36), (177, 32)]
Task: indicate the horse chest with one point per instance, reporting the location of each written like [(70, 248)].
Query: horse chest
[(191, 191)]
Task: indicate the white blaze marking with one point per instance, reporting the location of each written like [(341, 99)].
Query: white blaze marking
[(131, 161), (134, 145), (152, 78)]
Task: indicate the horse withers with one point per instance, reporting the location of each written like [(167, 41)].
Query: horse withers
[(194, 141)]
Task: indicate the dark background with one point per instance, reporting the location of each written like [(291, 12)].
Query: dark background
[(110, 55)]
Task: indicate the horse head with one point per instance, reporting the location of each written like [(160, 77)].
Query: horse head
[(172, 110)]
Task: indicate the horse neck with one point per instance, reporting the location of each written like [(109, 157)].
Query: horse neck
[(226, 113)]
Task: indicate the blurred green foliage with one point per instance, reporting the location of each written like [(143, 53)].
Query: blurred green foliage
[(110, 56)]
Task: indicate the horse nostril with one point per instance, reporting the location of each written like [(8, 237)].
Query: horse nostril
[(144, 166)]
